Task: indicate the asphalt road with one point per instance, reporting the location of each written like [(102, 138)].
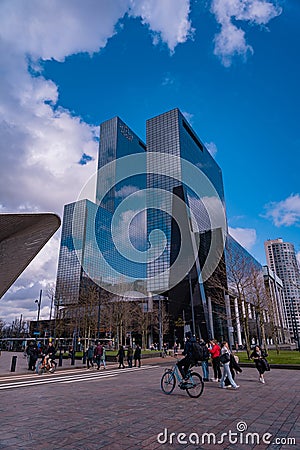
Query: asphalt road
[(125, 409)]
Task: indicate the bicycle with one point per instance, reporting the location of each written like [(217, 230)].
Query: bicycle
[(44, 366), (193, 383)]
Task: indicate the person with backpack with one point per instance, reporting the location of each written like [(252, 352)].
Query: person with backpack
[(97, 354), (188, 352), (204, 360)]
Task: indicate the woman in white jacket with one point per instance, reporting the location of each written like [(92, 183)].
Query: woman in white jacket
[(225, 360)]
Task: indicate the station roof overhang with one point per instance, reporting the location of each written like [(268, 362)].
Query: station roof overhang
[(22, 236)]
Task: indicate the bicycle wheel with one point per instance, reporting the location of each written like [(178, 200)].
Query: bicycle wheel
[(195, 385), (168, 382)]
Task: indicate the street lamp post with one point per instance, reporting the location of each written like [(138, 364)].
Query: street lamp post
[(192, 302), (38, 309)]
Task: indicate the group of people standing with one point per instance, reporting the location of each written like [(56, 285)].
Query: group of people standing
[(131, 355), (221, 357), (95, 355)]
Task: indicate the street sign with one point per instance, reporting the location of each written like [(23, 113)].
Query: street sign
[(36, 333)]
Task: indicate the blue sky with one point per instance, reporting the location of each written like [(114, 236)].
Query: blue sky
[(231, 66)]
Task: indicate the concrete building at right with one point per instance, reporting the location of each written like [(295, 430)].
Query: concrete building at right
[(281, 258)]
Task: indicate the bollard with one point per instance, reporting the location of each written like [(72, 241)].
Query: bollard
[(84, 358), (73, 359), (13, 364), (60, 359)]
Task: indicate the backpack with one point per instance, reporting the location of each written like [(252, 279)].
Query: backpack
[(197, 351)]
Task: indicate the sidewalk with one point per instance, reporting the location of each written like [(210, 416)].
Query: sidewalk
[(22, 364)]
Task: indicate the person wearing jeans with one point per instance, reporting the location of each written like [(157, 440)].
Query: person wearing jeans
[(204, 362), (225, 359), (215, 352)]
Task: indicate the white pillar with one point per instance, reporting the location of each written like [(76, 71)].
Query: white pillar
[(238, 323)]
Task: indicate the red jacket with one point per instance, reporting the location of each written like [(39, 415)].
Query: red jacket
[(215, 351)]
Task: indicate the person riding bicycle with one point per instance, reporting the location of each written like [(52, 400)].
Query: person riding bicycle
[(185, 363), (50, 355)]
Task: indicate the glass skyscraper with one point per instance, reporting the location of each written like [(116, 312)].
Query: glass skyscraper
[(88, 255), (281, 258), (170, 134), (157, 227)]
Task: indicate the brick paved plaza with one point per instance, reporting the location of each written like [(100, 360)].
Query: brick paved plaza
[(124, 409)]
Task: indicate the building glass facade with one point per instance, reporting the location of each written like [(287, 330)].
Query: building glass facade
[(88, 254), (281, 258), (170, 134), (174, 219)]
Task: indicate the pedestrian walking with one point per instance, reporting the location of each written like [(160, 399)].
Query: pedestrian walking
[(129, 355), (102, 358), (259, 356), (234, 368), (175, 349), (225, 360), (215, 352), (121, 356), (90, 356), (98, 353), (204, 361), (137, 356)]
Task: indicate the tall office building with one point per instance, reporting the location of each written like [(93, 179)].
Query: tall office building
[(274, 288), (176, 231), (88, 255), (170, 136), (117, 140), (78, 261), (281, 258)]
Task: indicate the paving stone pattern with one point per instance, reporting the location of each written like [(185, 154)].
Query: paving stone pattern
[(129, 411)]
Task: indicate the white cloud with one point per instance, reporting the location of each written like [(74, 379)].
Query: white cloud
[(286, 212), (245, 236), (42, 144), (212, 148), (231, 40), (167, 19)]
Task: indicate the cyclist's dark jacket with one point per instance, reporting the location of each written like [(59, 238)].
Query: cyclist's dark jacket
[(188, 348), (51, 351)]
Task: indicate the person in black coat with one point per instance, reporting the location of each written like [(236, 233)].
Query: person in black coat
[(261, 364), (121, 356), (137, 355), (185, 363), (33, 356)]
